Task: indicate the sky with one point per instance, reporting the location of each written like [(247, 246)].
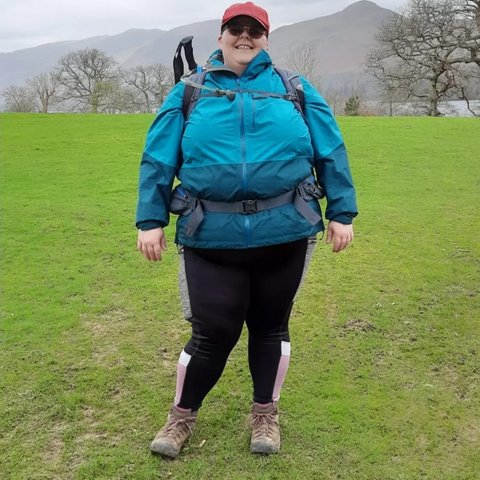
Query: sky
[(28, 23)]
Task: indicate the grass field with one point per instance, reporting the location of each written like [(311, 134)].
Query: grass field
[(384, 378)]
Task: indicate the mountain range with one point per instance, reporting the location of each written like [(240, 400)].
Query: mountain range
[(342, 40)]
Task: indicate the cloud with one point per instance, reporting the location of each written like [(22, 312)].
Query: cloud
[(28, 23)]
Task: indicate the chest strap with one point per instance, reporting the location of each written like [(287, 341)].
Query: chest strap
[(184, 204)]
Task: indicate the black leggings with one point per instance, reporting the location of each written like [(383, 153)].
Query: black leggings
[(226, 288)]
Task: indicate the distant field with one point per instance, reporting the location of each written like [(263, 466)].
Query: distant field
[(384, 378)]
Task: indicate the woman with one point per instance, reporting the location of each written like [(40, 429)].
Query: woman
[(248, 219)]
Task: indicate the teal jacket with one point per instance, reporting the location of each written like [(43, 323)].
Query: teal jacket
[(251, 147)]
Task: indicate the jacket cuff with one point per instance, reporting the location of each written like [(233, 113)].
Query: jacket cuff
[(148, 225), (346, 219)]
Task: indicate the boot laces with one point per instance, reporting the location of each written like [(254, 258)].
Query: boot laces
[(261, 423), (178, 425)]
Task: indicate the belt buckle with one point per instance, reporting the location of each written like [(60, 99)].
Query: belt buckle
[(249, 207)]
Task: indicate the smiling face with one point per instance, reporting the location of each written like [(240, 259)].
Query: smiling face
[(239, 51)]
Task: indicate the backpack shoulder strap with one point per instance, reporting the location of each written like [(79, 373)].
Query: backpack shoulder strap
[(191, 94), (294, 87)]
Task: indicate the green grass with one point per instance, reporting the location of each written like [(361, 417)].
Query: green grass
[(91, 332)]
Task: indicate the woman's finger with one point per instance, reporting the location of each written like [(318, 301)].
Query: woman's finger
[(163, 243), (145, 252), (151, 253), (158, 252)]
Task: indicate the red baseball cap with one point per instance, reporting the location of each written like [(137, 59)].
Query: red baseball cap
[(248, 9)]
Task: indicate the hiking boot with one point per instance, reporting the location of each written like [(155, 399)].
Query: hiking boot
[(179, 427), (265, 428)]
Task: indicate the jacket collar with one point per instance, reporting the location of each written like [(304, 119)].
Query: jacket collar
[(256, 66)]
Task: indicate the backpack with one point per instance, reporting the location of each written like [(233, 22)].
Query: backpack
[(195, 80)]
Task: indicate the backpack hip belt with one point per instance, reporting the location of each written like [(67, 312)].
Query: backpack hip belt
[(184, 204)]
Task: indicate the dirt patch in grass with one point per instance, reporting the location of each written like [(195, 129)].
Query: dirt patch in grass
[(103, 324), (471, 433), (358, 325), (91, 435), (115, 315), (54, 448), (88, 416), (459, 289), (107, 356)]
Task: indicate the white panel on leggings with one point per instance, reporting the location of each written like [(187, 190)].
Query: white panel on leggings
[(286, 348), (185, 358)]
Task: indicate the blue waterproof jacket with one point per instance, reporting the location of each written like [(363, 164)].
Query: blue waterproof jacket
[(251, 147)]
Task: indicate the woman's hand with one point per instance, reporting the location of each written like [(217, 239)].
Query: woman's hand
[(151, 243), (341, 235)]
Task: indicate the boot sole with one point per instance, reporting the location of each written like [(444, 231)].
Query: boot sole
[(164, 449), (263, 447)]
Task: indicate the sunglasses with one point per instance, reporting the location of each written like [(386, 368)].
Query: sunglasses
[(254, 32)]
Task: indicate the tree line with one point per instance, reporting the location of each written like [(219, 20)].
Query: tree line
[(90, 81), (426, 53)]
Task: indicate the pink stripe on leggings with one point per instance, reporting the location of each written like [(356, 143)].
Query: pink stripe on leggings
[(181, 372), (282, 370)]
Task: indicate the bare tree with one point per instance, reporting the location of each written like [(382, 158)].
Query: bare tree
[(419, 51), (151, 85), (470, 13), (336, 100), (44, 86), (163, 82), (139, 80), (84, 76), (306, 61), (467, 83), (20, 99), (119, 98), (390, 97)]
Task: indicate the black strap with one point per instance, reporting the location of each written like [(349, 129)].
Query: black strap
[(304, 193), (247, 207), (195, 220)]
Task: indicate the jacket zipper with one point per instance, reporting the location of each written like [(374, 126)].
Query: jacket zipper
[(244, 165)]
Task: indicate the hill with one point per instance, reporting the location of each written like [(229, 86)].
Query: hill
[(342, 39)]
